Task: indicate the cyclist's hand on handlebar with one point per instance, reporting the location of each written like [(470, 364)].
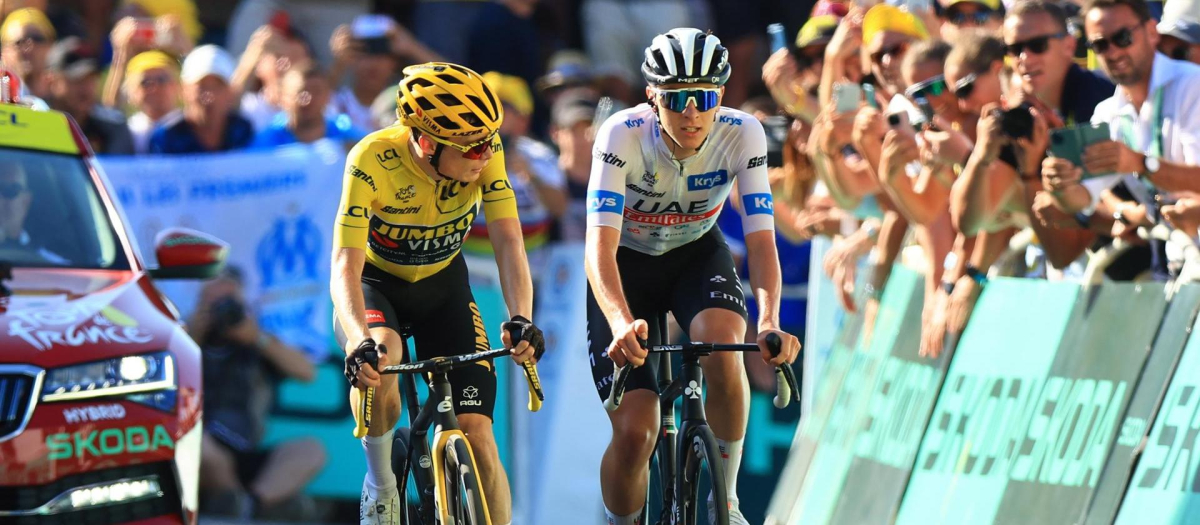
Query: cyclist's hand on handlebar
[(530, 343), (626, 347), (787, 354), (359, 372)]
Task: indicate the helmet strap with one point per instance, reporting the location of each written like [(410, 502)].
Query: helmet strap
[(436, 157)]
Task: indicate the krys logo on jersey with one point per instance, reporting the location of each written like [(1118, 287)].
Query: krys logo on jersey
[(413, 245), (288, 261)]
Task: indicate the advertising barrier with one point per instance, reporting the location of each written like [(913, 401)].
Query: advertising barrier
[(1047, 402)]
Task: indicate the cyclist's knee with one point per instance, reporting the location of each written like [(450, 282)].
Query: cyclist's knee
[(724, 368), (478, 429), (635, 426), (717, 325)]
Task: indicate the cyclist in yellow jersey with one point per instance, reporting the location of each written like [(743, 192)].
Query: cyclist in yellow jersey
[(409, 195)]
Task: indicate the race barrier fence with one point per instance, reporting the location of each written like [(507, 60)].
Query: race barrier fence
[(1058, 404)]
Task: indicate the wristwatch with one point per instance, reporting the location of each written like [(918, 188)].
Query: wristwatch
[(1151, 164), (1119, 215)]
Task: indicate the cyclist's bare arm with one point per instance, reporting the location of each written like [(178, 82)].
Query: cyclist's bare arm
[(515, 281), (600, 262), (347, 294)]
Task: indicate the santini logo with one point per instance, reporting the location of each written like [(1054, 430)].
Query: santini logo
[(706, 181), (609, 158)]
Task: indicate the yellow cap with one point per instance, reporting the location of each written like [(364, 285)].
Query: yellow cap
[(27, 17), (148, 60), (817, 30), (994, 5), (884, 17), (185, 10), (512, 90)]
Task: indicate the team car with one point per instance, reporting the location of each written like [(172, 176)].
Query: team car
[(100, 388)]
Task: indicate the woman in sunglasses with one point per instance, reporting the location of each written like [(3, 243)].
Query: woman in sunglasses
[(409, 196), (661, 175)]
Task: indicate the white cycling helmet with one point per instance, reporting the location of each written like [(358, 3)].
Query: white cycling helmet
[(688, 56)]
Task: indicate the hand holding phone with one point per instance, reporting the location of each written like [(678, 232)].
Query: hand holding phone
[(846, 97), (1068, 143), (778, 40)]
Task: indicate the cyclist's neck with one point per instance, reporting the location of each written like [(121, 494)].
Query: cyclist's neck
[(423, 161)]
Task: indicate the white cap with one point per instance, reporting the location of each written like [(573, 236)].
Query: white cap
[(207, 60)]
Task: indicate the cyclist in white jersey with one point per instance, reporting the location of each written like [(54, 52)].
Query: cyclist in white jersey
[(661, 174)]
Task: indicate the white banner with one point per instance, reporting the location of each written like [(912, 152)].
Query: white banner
[(558, 468), (275, 208)]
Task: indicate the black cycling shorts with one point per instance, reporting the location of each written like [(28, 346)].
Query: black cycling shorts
[(683, 281), (439, 312)]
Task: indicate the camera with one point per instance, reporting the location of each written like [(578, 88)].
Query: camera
[(226, 313), (1017, 122)]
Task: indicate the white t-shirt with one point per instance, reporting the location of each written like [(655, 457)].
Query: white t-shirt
[(141, 127), (660, 203), (346, 103)]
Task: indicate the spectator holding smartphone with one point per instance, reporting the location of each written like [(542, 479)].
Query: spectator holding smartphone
[(365, 50), (1152, 118)]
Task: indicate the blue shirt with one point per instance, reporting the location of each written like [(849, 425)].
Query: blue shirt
[(278, 134), (793, 266), (1082, 91), (178, 137)]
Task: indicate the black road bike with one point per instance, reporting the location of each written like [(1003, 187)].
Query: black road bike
[(693, 441), (445, 474)]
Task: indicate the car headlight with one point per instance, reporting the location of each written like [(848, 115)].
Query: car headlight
[(134, 374)]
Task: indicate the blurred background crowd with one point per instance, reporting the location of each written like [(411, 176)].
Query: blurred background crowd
[(966, 138)]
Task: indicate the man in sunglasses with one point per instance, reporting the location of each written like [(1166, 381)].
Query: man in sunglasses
[(25, 41), (15, 201), (409, 196), (793, 74), (661, 174), (1043, 53), (1152, 117), (958, 15), (152, 86), (887, 33)]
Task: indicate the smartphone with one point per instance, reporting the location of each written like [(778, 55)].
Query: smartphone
[(869, 94), (778, 40), (367, 27), (1068, 143), (917, 6), (926, 110), (776, 128), (846, 97)]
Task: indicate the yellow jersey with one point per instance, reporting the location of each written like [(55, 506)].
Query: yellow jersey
[(411, 225)]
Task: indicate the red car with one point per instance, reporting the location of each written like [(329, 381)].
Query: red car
[(100, 390)]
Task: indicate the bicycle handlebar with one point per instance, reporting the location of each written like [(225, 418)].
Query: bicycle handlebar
[(785, 377), (362, 418)]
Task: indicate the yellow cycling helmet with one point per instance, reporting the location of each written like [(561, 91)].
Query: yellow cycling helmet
[(447, 100)]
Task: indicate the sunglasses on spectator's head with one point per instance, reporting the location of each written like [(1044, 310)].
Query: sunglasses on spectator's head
[(1122, 38), (965, 86), (154, 80), (11, 190), (472, 151), (931, 87), (892, 51), (1036, 45), (958, 17), (677, 99)]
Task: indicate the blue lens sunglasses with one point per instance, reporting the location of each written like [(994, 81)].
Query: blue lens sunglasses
[(677, 99)]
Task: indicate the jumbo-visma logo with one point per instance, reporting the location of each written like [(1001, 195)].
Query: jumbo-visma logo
[(413, 245), (288, 261)]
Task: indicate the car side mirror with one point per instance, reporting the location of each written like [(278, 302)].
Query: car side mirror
[(188, 254)]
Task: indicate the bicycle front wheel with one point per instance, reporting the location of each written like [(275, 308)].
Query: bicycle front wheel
[(463, 490), (700, 452)]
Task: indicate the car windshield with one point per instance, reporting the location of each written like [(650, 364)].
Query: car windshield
[(51, 214)]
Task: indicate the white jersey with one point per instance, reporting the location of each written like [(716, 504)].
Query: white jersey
[(660, 203)]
